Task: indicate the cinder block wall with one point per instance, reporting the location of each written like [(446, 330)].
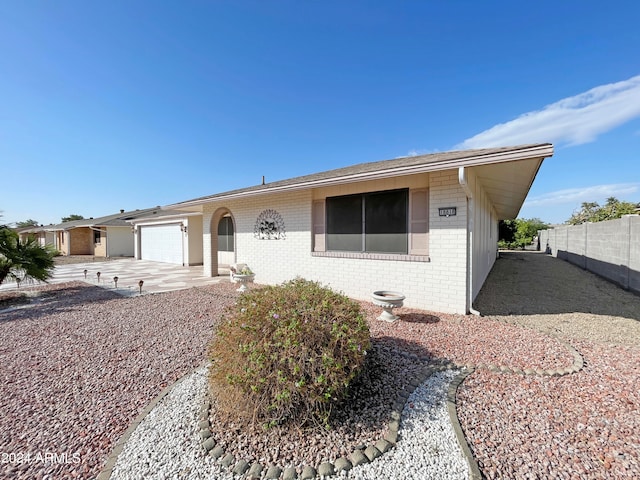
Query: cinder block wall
[(439, 284), (610, 249), (634, 253)]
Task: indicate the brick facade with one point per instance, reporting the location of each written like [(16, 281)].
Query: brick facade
[(437, 281)]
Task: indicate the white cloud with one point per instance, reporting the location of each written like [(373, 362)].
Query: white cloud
[(573, 120), (415, 152), (575, 196)]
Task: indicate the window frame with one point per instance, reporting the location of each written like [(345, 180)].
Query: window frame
[(228, 221), (417, 229)]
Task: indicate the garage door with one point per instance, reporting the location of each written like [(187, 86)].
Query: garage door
[(161, 243)]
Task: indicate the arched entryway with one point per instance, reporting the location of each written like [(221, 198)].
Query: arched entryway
[(222, 241)]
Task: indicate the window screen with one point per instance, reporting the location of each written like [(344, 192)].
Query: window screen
[(386, 222), (344, 223), (370, 222)]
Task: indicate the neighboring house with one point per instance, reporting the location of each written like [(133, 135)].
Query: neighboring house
[(426, 226), (39, 233), (169, 236), (108, 236)]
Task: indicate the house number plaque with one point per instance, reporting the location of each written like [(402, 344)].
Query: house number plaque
[(447, 212)]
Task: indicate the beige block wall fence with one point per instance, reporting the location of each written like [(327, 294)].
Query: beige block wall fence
[(610, 249), (438, 284)]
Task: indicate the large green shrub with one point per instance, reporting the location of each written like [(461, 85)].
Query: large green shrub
[(286, 354)]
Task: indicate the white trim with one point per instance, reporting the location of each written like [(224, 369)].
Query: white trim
[(541, 152), (164, 219)]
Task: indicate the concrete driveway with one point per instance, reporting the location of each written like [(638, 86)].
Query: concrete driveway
[(157, 277)]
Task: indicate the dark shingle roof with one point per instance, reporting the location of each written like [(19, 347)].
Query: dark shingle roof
[(397, 166), (115, 220)]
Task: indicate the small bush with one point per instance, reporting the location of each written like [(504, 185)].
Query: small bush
[(286, 354)]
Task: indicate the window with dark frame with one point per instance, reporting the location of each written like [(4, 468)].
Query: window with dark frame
[(375, 222), (225, 235), (96, 236)]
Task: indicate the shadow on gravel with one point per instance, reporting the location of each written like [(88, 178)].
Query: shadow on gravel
[(389, 367), (403, 348), (415, 317), (532, 283), (50, 302)]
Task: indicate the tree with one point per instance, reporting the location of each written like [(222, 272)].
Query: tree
[(24, 260), (520, 232), (527, 229), (72, 217), (593, 212), (27, 223), (507, 231)]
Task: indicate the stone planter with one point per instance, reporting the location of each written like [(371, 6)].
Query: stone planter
[(242, 280), (388, 301)]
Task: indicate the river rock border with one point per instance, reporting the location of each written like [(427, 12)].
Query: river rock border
[(575, 367), (360, 456), (366, 454)]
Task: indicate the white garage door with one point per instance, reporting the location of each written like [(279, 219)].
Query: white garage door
[(161, 243)]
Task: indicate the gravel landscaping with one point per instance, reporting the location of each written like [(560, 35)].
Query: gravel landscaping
[(81, 363), (585, 425)]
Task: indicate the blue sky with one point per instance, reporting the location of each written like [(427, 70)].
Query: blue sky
[(131, 104)]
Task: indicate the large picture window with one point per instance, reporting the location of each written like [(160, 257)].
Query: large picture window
[(370, 222)]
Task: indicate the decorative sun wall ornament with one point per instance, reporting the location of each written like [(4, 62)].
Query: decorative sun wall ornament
[(269, 226)]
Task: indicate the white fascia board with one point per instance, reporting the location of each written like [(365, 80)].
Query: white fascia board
[(164, 219), (541, 152)]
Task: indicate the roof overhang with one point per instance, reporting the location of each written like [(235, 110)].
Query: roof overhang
[(173, 218), (507, 184), (476, 158)]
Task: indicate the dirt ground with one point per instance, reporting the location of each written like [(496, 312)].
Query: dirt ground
[(553, 296), (67, 260)]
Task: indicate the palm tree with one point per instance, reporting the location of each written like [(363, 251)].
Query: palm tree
[(24, 260)]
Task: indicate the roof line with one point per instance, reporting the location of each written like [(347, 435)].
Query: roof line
[(164, 217), (518, 153)]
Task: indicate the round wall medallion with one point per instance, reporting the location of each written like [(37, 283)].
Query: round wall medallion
[(269, 226)]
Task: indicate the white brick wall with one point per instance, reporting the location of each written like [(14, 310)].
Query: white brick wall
[(438, 284)]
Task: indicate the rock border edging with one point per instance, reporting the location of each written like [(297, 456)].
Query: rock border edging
[(360, 456), (468, 369), (474, 469), (577, 365), (107, 469)]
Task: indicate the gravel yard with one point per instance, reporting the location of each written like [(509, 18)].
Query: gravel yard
[(585, 425), (78, 366), (81, 363)]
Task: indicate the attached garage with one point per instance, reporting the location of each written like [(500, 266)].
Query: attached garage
[(169, 237), (162, 243)]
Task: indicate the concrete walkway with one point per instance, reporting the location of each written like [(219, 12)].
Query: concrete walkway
[(157, 277)]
